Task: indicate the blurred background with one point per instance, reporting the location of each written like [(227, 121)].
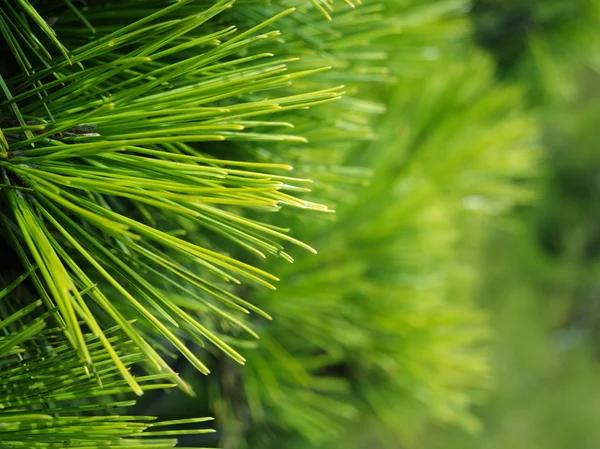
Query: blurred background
[(498, 344), (540, 280)]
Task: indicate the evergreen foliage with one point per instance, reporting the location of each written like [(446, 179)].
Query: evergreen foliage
[(162, 165), (47, 397), (377, 343)]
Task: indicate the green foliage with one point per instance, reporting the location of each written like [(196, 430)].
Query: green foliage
[(145, 152), (46, 396), (364, 328), (122, 190)]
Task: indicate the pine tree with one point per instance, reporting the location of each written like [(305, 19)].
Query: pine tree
[(163, 163)]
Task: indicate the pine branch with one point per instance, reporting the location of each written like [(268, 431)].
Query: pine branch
[(85, 170), (47, 398)]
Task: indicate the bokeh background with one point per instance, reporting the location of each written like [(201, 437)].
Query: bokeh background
[(540, 278)]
